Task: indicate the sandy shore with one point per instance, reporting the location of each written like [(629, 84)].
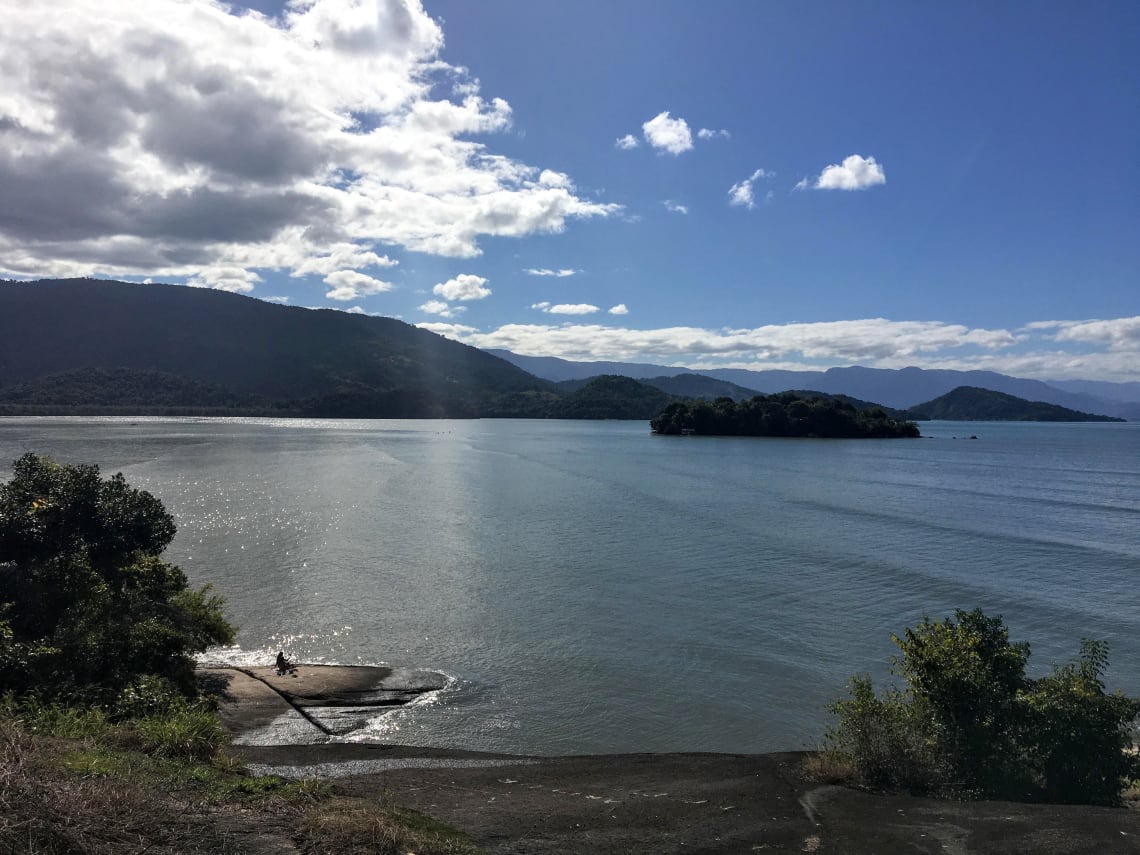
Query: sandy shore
[(651, 803)]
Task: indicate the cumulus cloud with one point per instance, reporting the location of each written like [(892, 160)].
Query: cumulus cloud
[(741, 193), (352, 285), (565, 308), (668, 134), (225, 278), (1119, 334), (675, 207), (855, 173), (221, 139), (707, 134), (619, 309), (441, 308), (465, 286), (1031, 351), (546, 271), (627, 142), (839, 342)]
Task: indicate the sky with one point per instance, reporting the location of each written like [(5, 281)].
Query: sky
[(726, 183)]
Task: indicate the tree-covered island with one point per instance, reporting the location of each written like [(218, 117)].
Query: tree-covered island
[(782, 414)]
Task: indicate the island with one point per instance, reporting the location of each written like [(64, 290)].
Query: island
[(969, 403), (790, 414)]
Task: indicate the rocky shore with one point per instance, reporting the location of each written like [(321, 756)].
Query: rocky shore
[(651, 803)]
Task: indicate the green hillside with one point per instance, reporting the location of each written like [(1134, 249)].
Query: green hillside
[(68, 344), (612, 397), (969, 403)]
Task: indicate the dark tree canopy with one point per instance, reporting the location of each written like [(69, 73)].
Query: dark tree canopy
[(88, 607), (782, 414), (971, 723)]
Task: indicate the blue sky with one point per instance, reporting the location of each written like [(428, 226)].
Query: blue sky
[(738, 184)]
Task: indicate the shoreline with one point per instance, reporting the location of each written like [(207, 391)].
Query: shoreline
[(619, 803)]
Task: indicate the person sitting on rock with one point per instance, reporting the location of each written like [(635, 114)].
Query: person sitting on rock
[(284, 666)]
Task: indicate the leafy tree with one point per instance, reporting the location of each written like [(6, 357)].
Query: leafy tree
[(89, 608), (969, 721)]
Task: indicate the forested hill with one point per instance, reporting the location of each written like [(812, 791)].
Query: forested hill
[(968, 403), (145, 346)]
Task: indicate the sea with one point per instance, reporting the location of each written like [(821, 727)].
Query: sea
[(588, 587)]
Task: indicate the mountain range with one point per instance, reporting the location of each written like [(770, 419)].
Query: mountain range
[(899, 389), (96, 346)]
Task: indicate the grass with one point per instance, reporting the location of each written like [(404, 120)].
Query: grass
[(829, 766), (71, 781)]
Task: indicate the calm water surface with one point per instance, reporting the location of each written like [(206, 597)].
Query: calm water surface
[(592, 588)]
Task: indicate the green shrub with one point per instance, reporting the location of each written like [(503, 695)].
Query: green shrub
[(88, 607), (886, 739), (970, 723)]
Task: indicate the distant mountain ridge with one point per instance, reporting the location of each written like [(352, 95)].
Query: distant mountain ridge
[(900, 389)]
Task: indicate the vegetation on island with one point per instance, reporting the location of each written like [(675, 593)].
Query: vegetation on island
[(107, 741), (969, 723), (969, 403), (783, 414)]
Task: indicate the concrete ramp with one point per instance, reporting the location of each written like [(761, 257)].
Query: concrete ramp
[(314, 703)]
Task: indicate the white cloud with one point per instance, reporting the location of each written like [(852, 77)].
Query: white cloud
[(444, 310), (1032, 351), (217, 138), (855, 173), (707, 134), (627, 142), (223, 278), (675, 207), (354, 310), (619, 309), (281, 300), (352, 285), (1119, 334), (566, 308), (341, 256), (668, 134), (550, 178), (741, 192), (836, 341), (465, 286), (546, 271)]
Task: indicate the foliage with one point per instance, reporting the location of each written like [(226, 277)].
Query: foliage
[(91, 608), (782, 414), (970, 722)]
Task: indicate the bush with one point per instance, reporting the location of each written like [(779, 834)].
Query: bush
[(187, 732), (90, 607), (970, 723)]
